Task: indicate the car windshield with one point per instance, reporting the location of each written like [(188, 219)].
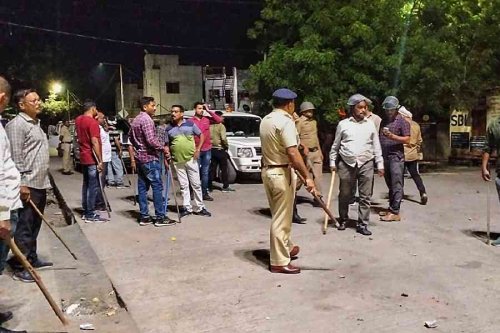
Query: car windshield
[(242, 126)]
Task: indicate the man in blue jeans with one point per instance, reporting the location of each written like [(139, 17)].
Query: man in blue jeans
[(395, 132), (145, 149), (203, 117), (89, 140)]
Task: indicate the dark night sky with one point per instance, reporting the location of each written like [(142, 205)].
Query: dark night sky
[(199, 24)]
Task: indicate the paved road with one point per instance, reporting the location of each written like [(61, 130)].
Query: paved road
[(214, 278)]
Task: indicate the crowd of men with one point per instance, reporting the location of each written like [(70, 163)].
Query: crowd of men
[(363, 144)]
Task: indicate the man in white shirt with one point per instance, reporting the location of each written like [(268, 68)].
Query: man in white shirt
[(106, 158), (10, 200), (355, 147)]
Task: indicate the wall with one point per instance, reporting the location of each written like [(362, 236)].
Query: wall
[(131, 95), (160, 69)]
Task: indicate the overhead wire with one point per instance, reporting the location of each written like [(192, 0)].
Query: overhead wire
[(119, 41)]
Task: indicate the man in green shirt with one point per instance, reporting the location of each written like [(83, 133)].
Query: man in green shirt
[(219, 154)]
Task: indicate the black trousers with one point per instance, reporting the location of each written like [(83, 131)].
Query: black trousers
[(219, 157), (29, 223), (412, 169)]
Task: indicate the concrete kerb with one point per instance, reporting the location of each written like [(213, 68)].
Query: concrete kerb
[(70, 219)]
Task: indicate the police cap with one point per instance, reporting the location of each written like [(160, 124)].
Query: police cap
[(284, 93)]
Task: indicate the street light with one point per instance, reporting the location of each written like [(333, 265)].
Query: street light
[(56, 88), (122, 111)]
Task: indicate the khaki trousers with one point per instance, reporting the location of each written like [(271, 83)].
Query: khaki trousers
[(315, 165), (280, 190), (67, 164)]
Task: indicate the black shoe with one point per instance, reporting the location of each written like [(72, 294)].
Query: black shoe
[(341, 225), (423, 198), (146, 221), (207, 197), (185, 212), (362, 229), (67, 173), (5, 330), (203, 212), (39, 264), (299, 220), (5, 316), (164, 221), (15, 264), (23, 276)]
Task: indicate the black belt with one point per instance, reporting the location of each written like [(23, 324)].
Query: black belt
[(66, 142), (313, 149), (276, 166)]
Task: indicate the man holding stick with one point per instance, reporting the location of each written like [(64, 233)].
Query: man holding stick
[(89, 139), (147, 148), (355, 147), (30, 153), (10, 200), (280, 154)]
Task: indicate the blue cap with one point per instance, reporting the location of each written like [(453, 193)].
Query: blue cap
[(284, 93)]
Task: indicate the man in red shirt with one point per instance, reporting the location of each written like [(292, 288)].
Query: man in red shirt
[(89, 139), (205, 155)]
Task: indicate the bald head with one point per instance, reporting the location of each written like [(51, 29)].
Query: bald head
[(5, 91)]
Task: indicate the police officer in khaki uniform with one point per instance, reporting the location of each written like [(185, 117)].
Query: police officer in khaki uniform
[(65, 142), (307, 128), (280, 157)]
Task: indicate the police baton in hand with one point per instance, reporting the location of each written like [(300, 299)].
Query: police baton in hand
[(330, 191), (25, 263), (320, 201)]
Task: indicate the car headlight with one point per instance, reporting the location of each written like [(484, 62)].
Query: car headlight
[(244, 152)]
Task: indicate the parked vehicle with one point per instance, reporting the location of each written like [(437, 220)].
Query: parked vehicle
[(245, 152)]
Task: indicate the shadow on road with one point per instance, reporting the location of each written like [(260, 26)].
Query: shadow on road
[(261, 211), (481, 235)]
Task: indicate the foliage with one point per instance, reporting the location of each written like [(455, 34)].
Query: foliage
[(54, 105), (434, 55)]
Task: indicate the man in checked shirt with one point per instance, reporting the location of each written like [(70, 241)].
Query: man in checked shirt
[(30, 152), (144, 157)]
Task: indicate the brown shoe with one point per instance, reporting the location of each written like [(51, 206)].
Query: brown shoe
[(384, 212), (295, 250), (288, 269), (391, 217)]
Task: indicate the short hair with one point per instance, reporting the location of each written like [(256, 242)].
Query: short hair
[(178, 106), (277, 102), (88, 104), (21, 93), (196, 104), (145, 100), (219, 113), (5, 86)]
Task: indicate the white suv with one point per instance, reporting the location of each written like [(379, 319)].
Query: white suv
[(245, 152)]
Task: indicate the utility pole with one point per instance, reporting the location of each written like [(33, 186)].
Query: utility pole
[(121, 92)]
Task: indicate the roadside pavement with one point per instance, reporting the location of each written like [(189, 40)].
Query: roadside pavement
[(210, 274), (69, 281)]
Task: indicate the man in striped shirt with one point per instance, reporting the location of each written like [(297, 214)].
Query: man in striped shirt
[(30, 152)]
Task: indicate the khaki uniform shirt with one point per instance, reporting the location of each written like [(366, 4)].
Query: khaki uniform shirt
[(277, 133), (66, 135), (308, 132), (413, 150)]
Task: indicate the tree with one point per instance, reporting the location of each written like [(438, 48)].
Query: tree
[(434, 55)]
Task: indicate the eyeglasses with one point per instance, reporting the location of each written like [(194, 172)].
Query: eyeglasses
[(34, 102)]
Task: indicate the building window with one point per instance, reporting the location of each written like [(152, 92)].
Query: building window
[(173, 88)]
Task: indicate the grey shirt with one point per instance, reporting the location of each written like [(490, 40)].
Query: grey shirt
[(356, 142), (30, 150)]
